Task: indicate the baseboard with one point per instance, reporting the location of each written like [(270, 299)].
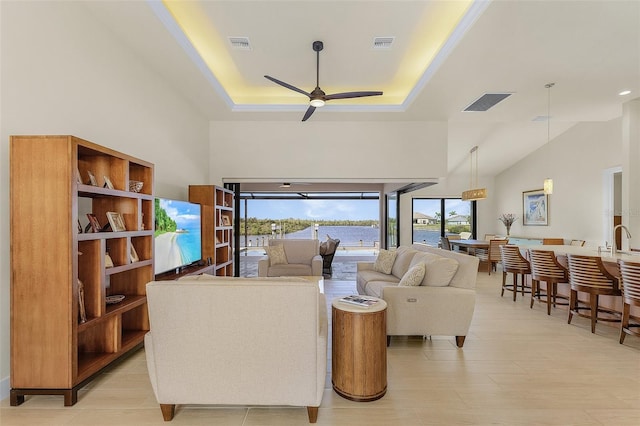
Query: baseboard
[(4, 388)]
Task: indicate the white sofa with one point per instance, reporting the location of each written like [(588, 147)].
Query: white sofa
[(302, 258), (435, 307), (244, 341)]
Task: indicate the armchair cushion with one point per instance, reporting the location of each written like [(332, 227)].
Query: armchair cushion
[(413, 276), (384, 261), (277, 256)]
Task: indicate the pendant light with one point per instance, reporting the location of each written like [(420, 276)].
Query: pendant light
[(477, 193), (548, 182)]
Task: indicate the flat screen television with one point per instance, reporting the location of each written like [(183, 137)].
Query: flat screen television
[(177, 238)]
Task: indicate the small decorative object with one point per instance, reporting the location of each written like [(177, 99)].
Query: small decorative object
[(79, 227), (108, 263), (92, 178), (82, 311), (113, 299), (116, 221), (133, 254), (507, 220), (226, 221), (93, 223), (78, 177), (135, 185), (107, 182), (535, 208)]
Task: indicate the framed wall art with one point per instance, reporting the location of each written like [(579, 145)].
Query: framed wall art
[(535, 208)]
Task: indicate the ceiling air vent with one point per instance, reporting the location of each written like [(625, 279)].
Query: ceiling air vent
[(240, 43), (383, 42), (486, 101)]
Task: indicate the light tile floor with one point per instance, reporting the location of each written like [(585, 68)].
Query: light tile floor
[(518, 367)]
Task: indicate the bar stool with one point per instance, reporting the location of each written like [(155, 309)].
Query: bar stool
[(515, 263), (545, 267), (630, 272), (587, 274)]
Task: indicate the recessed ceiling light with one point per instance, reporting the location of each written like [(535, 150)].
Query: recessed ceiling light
[(624, 92)]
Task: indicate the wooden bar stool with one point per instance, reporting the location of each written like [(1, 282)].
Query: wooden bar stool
[(587, 274), (545, 267), (630, 272), (513, 262)]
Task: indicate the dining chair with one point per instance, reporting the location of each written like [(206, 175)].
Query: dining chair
[(444, 243), (553, 241), (578, 243), (494, 256), (630, 272), (513, 262), (546, 268), (587, 274)]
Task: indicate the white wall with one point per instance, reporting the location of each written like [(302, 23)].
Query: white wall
[(576, 161), (63, 73), (328, 150)]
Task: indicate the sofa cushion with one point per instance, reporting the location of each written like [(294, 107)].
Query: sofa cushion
[(414, 276), (374, 288), (277, 255), (439, 270), (403, 258), (384, 261)]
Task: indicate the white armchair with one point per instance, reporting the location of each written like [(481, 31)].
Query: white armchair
[(301, 257)]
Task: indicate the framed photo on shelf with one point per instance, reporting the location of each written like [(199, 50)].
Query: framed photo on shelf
[(93, 223), (108, 262), (226, 221), (92, 178), (116, 221), (535, 208), (133, 254), (107, 182)]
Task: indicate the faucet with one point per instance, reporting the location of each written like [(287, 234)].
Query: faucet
[(614, 249)]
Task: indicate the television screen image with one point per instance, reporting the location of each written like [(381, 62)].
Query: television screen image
[(177, 235)]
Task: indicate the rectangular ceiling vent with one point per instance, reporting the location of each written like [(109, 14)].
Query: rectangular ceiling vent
[(383, 42), (486, 101), (240, 43)]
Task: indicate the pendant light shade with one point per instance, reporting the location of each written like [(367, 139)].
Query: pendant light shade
[(548, 182), (476, 193)]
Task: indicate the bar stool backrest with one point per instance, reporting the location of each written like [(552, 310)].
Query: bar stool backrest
[(545, 266), (588, 271), (512, 259), (630, 272)]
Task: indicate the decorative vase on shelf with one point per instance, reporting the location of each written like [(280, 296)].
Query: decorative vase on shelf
[(508, 229)]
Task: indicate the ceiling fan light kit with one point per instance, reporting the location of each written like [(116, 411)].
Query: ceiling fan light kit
[(317, 98)]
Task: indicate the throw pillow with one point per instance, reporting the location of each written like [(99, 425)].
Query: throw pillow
[(414, 276), (277, 255), (384, 261)]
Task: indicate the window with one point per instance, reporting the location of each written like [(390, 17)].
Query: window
[(436, 217)]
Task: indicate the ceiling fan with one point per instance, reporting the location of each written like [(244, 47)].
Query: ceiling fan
[(317, 98)]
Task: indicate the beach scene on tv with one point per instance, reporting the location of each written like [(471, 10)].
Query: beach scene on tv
[(177, 234)]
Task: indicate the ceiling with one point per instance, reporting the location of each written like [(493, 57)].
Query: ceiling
[(442, 59)]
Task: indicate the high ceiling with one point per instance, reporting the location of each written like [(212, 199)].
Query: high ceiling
[(444, 56)]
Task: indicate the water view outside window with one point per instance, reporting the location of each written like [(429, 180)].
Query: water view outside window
[(435, 217), (354, 222)]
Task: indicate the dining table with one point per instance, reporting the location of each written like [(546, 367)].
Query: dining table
[(470, 244)]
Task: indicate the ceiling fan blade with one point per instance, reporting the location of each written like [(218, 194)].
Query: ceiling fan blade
[(287, 85), (347, 95), (307, 114)]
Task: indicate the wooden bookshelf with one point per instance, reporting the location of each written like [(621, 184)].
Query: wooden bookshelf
[(53, 351), (217, 225)]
